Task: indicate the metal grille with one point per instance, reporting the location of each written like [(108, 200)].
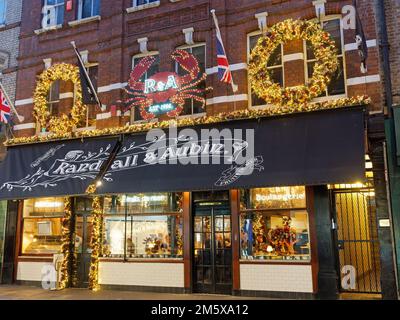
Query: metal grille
[(357, 240)]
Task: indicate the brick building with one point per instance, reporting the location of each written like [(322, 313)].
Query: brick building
[(10, 19), (330, 255)]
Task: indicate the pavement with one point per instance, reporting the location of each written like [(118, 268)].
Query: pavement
[(35, 293)]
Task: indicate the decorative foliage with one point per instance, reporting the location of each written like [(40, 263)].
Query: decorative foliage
[(96, 243), (185, 86), (67, 249), (326, 64), (236, 115), (283, 238), (64, 124)]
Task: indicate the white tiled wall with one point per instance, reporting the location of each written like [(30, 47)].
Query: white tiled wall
[(142, 274), (31, 271), (269, 277)]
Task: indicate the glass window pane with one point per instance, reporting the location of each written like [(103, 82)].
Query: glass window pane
[(333, 28), (337, 85), (278, 198), (2, 11), (114, 236), (276, 57), (44, 207), (276, 75)]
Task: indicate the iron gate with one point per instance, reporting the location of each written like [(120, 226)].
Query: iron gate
[(357, 239)]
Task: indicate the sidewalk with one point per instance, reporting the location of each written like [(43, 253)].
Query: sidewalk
[(34, 293)]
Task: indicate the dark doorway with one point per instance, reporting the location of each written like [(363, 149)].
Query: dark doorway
[(212, 246), (8, 273)]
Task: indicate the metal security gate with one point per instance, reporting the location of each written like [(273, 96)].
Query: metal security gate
[(357, 238)]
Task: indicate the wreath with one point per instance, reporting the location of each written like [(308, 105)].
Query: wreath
[(64, 123), (326, 63)]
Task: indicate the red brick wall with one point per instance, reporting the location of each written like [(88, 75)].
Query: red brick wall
[(113, 41)]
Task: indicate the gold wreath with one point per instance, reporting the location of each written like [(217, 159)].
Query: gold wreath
[(64, 123), (326, 63)]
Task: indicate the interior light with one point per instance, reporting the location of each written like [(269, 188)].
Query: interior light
[(48, 204)]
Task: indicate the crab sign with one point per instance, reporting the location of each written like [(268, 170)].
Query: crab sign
[(165, 92)]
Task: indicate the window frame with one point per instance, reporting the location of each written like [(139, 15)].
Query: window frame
[(249, 90), (80, 9), (56, 7), (191, 46), (140, 56), (135, 3), (327, 96), (3, 19)]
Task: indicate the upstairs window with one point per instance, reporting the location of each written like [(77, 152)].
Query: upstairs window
[(337, 86), (155, 67), (3, 61), (2, 12), (137, 3), (54, 15), (274, 65), (88, 8), (192, 106)]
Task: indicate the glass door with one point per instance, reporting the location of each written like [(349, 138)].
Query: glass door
[(83, 231), (212, 267)]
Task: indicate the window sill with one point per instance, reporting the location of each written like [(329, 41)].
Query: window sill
[(142, 260), (84, 21), (52, 28), (2, 26), (277, 262), (143, 7)]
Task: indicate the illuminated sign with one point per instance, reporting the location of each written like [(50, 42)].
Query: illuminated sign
[(165, 93)]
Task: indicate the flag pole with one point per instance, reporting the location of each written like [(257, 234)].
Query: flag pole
[(87, 75), (20, 118)]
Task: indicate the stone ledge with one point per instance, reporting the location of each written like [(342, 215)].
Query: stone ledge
[(84, 21), (44, 30)]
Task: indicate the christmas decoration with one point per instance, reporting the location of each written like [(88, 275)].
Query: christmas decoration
[(165, 92), (67, 249), (282, 239), (96, 243), (222, 117), (64, 124), (325, 66)]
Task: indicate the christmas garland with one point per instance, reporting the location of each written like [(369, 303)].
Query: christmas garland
[(326, 63), (64, 123), (222, 117), (96, 243)]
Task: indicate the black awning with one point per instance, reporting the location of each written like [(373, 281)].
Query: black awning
[(301, 149)]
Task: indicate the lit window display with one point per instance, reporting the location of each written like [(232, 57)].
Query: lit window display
[(42, 220), (274, 224), (143, 226)]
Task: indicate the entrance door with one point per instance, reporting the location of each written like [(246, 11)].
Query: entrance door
[(357, 240), (212, 263), (83, 231)]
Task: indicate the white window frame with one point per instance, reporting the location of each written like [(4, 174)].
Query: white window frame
[(191, 46), (328, 97), (135, 3), (139, 56), (249, 35), (56, 7), (80, 10), (3, 18)]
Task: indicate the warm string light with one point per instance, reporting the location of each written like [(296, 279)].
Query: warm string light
[(325, 66), (222, 117), (64, 124), (96, 243)]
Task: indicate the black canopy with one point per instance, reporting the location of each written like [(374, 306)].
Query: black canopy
[(301, 149)]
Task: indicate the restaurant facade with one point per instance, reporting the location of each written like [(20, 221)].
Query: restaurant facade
[(179, 183)]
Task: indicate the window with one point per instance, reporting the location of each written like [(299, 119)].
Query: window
[(2, 12), (137, 3), (58, 7), (337, 85), (274, 224), (149, 73), (143, 226), (191, 106), (275, 67), (88, 8), (3, 60), (53, 98), (42, 225)]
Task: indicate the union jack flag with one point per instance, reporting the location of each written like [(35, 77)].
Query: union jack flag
[(5, 110), (224, 69)]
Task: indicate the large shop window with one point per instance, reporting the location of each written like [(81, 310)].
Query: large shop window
[(274, 66), (193, 107), (274, 224), (143, 226), (337, 86), (55, 7), (88, 8), (42, 220), (155, 67)]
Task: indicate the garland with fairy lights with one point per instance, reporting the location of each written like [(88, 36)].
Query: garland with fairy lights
[(222, 117), (64, 123), (96, 243), (326, 63), (67, 248)]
